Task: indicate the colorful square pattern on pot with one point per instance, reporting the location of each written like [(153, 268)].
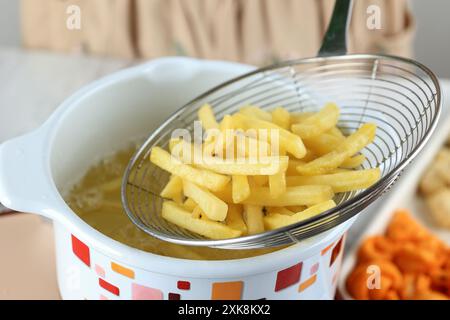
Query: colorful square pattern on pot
[(81, 251), (285, 283), (126, 272), (109, 287), (288, 277), (140, 292), (227, 290)]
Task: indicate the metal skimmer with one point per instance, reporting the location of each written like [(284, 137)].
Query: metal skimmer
[(400, 95)]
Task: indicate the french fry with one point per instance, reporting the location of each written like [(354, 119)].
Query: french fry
[(252, 147), (197, 212), (226, 123), (359, 139), (323, 164), (318, 123), (336, 132), (240, 188), (256, 112), (292, 167), (287, 140), (340, 182), (207, 118), (242, 185), (266, 166), (351, 145), (296, 209), (276, 221), (323, 144), (281, 117), (259, 181), (353, 162), (300, 195), (214, 208), (225, 194), (235, 219), (176, 214), (298, 117), (189, 204), (280, 210), (204, 178), (173, 189), (253, 217), (277, 184)]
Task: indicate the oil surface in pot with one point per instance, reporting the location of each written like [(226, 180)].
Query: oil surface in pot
[(96, 199)]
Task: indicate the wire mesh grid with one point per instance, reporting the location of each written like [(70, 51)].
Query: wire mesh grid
[(401, 96)]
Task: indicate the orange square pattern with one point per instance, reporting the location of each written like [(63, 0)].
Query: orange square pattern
[(227, 290), (307, 283), (122, 270)]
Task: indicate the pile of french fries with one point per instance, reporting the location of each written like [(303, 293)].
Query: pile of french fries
[(251, 193)]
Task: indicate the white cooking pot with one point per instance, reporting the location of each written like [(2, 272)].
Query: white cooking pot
[(38, 168)]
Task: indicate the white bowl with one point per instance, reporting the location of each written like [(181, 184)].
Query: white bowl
[(38, 168)]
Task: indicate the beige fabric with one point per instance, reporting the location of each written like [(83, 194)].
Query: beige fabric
[(251, 31)]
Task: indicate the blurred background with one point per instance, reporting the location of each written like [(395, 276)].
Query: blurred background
[(429, 44), (69, 43)]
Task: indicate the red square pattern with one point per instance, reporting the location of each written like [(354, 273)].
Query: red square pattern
[(336, 250), (81, 251), (288, 277), (174, 296), (109, 287), (184, 285)]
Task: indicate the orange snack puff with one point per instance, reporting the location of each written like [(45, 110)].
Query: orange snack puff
[(413, 264)]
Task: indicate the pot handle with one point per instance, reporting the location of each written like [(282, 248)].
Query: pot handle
[(25, 179)]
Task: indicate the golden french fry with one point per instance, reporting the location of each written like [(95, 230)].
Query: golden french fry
[(173, 189), (226, 123), (298, 117), (266, 166), (205, 178), (240, 188), (292, 166), (252, 147), (197, 212), (253, 217), (225, 194), (259, 181), (351, 145), (353, 162), (189, 204), (336, 132), (323, 144), (340, 182), (277, 184), (359, 139), (318, 123), (296, 209), (235, 219), (212, 206), (300, 195), (323, 164), (255, 112), (280, 210), (176, 214), (207, 118), (287, 140), (276, 221), (281, 117)]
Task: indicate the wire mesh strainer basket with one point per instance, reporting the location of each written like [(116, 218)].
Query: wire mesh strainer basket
[(401, 96)]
